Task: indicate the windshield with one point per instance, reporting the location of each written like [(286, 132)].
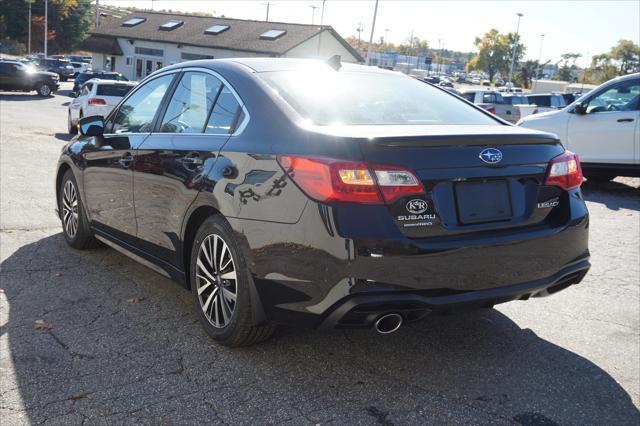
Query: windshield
[(328, 97)]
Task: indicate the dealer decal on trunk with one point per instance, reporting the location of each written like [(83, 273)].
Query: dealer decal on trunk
[(419, 210)]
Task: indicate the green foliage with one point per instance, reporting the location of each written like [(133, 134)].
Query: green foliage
[(528, 71), (68, 23), (494, 53), (622, 59)]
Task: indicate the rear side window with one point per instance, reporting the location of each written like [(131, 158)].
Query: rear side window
[(469, 96), (136, 114), (225, 114), (327, 97), (190, 104), (113, 90), (543, 101)]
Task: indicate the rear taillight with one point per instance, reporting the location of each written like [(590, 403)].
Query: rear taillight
[(328, 180), (492, 110), (96, 101), (565, 171)]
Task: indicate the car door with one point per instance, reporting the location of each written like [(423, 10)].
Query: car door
[(607, 133), (5, 70), (76, 105), (171, 162), (108, 175)]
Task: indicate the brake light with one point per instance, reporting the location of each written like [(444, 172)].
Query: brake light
[(492, 110), (96, 101), (328, 180), (565, 171)]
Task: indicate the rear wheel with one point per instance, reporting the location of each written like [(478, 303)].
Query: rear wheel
[(44, 89), (220, 286), (75, 226), (73, 129)]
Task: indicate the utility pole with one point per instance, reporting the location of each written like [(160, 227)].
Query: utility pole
[(515, 47), (321, 26), (268, 4), (29, 38), (439, 55), (98, 13), (46, 25), (359, 30), (373, 27), (313, 13), (540, 55), (386, 36)]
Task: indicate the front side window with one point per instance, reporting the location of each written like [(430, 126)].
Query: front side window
[(328, 97), (225, 114), (622, 97), (136, 114), (190, 104)]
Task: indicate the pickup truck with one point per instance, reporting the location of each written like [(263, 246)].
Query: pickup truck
[(495, 103), (548, 101)]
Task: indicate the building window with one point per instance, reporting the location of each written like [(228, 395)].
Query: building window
[(133, 22), (216, 29), (149, 52), (273, 34), (186, 56), (129, 61), (171, 25)]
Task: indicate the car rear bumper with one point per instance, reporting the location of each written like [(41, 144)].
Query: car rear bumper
[(362, 310)]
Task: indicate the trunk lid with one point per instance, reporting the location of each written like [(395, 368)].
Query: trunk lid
[(477, 178)]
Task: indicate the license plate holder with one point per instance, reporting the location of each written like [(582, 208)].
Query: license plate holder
[(488, 201)]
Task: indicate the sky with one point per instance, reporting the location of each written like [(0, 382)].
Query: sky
[(587, 27)]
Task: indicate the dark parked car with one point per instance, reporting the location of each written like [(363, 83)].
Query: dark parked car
[(284, 191), (16, 76), (83, 77), (62, 67)]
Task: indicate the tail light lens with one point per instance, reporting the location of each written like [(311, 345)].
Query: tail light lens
[(492, 110), (565, 171), (96, 101), (328, 180)]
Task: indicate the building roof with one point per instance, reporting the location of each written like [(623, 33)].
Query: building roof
[(102, 44), (242, 35)]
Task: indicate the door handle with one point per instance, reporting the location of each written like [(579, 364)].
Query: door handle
[(625, 120), (126, 159)]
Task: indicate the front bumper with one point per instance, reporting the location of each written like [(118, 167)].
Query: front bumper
[(362, 310)]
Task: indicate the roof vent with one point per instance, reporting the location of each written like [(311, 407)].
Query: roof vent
[(170, 25), (133, 22), (216, 29), (272, 34)]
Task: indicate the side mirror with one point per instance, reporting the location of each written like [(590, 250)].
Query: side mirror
[(580, 109), (91, 126)]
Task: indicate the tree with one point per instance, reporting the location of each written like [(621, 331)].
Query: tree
[(494, 53), (527, 72), (68, 23), (627, 54), (566, 71)]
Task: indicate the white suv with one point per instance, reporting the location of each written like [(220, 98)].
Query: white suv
[(602, 127), (97, 97)]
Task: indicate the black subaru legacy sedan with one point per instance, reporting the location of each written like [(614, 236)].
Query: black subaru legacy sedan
[(290, 191)]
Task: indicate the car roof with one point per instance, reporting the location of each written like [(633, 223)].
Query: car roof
[(259, 65), (111, 82)]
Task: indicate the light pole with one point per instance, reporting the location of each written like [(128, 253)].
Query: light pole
[(515, 47), (313, 12), (386, 36), (268, 4), (321, 23), (373, 27), (46, 24), (540, 55), (359, 30), (439, 53), (29, 38)]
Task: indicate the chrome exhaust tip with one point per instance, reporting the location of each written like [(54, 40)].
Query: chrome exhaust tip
[(388, 323)]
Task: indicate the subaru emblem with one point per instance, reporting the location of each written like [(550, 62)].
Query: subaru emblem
[(491, 155)]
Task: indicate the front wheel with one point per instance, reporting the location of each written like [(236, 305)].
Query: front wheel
[(220, 284), (44, 89), (75, 225), (73, 129)]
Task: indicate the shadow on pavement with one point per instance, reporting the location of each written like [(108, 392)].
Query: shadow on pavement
[(22, 96), (107, 359), (63, 136), (614, 194)]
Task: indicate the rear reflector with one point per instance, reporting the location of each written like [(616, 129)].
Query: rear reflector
[(96, 101), (328, 180), (565, 171)]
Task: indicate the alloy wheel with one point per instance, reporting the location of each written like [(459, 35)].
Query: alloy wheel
[(45, 90), (70, 209), (216, 281)]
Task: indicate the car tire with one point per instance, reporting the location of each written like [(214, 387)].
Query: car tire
[(44, 89), (75, 226), (73, 130), (227, 319)]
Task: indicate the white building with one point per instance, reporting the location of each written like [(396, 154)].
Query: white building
[(142, 42)]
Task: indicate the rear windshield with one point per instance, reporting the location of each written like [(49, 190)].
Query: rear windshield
[(113, 90), (328, 97)]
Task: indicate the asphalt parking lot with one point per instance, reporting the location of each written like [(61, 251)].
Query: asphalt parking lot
[(93, 337)]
